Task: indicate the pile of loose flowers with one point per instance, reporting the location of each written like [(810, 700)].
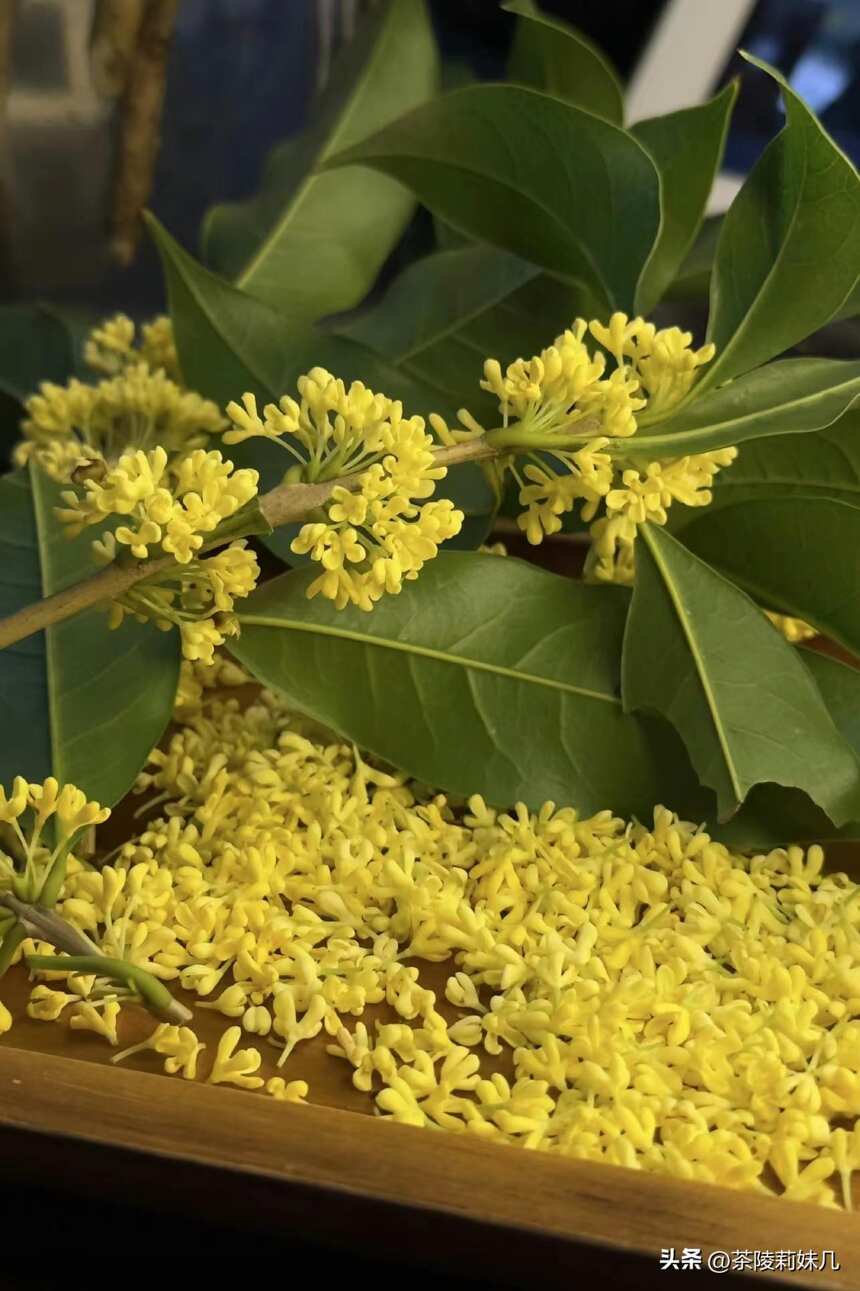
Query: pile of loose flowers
[(625, 992), (653, 1000)]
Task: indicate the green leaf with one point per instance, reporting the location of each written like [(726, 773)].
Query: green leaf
[(774, 817), (694, 276), (839, 685), (823, 464), (851, 307), (35, 346), (789, 250), (788, 397), (550, 55), (485, 675), (533, 175), (312, 243), (701, 654), (796, 555), (687, 148), (230, 343), (78, 701), (445, 314)]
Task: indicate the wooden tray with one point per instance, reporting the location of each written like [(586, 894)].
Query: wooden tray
[(334, 1173)]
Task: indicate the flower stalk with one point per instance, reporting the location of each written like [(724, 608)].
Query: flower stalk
[(153, 994)]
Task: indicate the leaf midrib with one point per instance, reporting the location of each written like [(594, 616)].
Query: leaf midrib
[(440, 656), (50, 634), (698, 660)]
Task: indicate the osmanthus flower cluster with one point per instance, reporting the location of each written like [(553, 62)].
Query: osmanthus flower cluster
[(132, 448), (172, 508), (32, 853), (71, 429), (658, 1001), (563, 409), (370, 539)]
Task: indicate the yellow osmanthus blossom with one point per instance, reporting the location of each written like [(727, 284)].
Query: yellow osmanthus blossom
[(195, 678), (81, 429), (198, 598), (623, 992), (28, 861), (235, 1067), (46, 1005), (563, 412), (368, 541), (178, 1045), (88, 1016), (647, 495), (794, 630), (174, 511), (114, 346), (287, 1091), (663, 360)]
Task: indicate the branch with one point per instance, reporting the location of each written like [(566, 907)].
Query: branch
[(44, 925), (282, 505)]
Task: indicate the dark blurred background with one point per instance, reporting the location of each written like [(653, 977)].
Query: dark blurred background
[(242, 75)]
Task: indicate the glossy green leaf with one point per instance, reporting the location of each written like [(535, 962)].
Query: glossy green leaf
[(823, 464), (788, 397), (230, 343), (550, 55), (839, 685), (485, 675), (687, 148), (312, 243), (533, 175), (35, 346), (789, 250), (773, 816), (851, 307), (78, 701), (797, 555), (700, 653), (445, 314), (694, 275)]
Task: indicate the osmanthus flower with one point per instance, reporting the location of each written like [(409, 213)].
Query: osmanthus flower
[(369, 540), (171, 509), (287, 1091), (663, 360), (794, 630), (174, 512), (561, 411), (652, 998), (32, 869), (235, 1067), (82, 428), (178, 1045), (646, 495), (114, 346)]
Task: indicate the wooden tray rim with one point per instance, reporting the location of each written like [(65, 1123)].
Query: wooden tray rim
[(347, 1157)]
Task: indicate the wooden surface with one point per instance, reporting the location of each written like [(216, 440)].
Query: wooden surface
[(307, 1154), (356, 1181)]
